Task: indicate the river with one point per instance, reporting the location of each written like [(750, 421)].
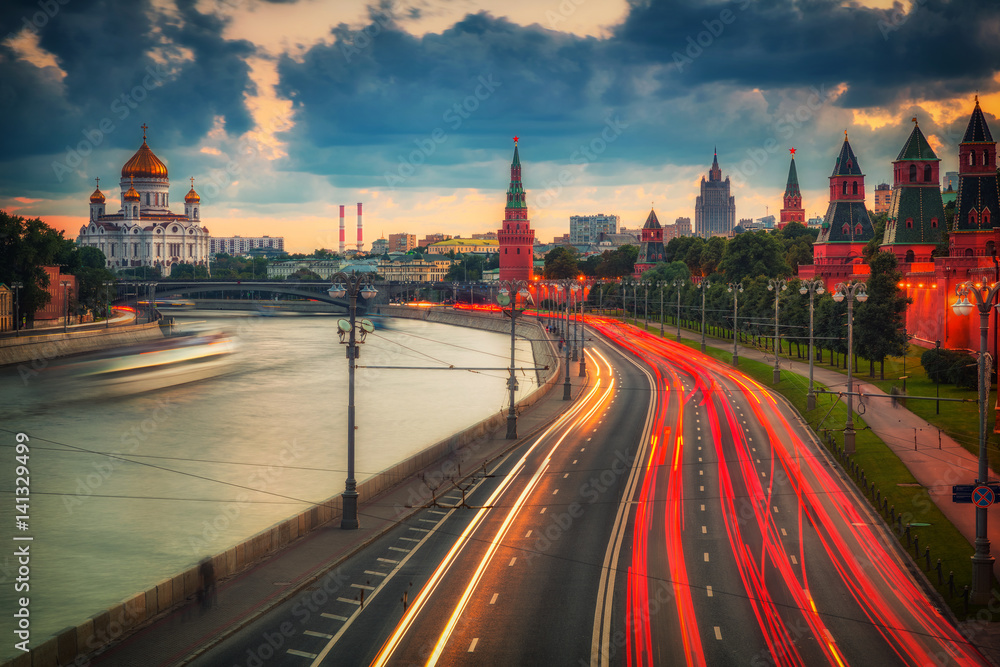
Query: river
[(212, 462)]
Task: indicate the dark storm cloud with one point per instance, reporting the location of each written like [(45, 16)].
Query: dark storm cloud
[(936, 50), (673, 70), (111, 52)]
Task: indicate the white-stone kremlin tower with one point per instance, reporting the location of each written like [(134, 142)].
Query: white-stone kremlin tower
[(144, 231)]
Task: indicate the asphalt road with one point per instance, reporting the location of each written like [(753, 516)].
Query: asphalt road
[(509, 580)]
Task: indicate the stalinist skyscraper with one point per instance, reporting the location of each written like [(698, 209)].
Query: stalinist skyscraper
[(715, 208)]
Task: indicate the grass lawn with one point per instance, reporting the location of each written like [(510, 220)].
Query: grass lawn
[(884, 473)]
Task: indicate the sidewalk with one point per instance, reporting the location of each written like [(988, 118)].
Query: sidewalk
[(185, 632), (934, 459)]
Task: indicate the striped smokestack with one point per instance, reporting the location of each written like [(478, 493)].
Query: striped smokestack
[(343, 236), (360, 237)]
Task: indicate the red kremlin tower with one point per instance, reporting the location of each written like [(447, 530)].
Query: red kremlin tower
[(517, 238), (792, 211)]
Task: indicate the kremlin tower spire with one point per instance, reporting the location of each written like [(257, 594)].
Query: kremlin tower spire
[(792, 210), (978, 200), (516, 237), (846, 227)]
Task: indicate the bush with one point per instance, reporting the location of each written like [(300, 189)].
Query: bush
[(951, 367)]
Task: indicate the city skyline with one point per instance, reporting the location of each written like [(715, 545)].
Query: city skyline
[(282, 119)]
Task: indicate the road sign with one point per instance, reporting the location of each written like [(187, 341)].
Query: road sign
[(962, 493), (983, 496)]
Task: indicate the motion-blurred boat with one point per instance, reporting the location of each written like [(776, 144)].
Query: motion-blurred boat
[(157, 364)]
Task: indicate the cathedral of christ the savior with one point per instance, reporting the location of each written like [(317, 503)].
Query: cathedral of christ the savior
[(144, 231)]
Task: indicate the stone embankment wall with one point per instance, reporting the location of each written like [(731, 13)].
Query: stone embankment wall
[(72, 645), (38, 348)]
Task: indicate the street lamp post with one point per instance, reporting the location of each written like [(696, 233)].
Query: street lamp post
[(582, 330), (351, 285), (678, 284), (645, 308), (635, 303), (660, 286), (107, 300), (17, 306), (982, 560), (566, 285), (812, 288), (509, 291), (937, 382), (850, 291), (152, 301), (703, 286), (736, 288), (65, 286), (575, 325), (776, 285)]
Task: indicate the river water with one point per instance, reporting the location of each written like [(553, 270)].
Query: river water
[(212, 462)]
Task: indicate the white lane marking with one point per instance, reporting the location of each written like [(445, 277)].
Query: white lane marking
[(795, 561), (582, 449), (775, 509), (701, 488), (511, 563), (313, 633), (784, 533), (706, 556), (543, 510), (494, 598), (702, 508), (420, 530), (435, 512), (333, 616), (472, 646), (758, 460), (301, 654), (588, 439), (704, 530), (762, 474), (428, 520), (374, 573), (566, 475), (708, 589), (349, 601), (364, 586), (528, 534), (555, 492), (405, 551), (701, 472), (386, 560), (718, 633), (574, 461)]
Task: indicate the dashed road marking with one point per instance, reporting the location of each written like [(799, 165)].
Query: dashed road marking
[(301, 654), (472, 646), (333, 616), (494, 598), (555, 492), (512, 561), (706, 556), (376, 574), (313, 633), (420, 530), (405, 551), (718, 633), (795, 561), (708, 589), (410, 539), (566, 475), (704, 530), (543, 510), (528, 534), (574, 461), (349, 601), (784, 533), (387, 560), (363, 586)]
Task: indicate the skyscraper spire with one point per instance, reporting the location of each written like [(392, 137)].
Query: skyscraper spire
[(516, 237)]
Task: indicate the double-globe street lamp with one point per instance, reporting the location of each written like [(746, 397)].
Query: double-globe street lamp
[(678, 284), (507, 299), (351, 285), (17, 306), (982, 560), (812, 288), (568, 285), (776, 285), (580, 325), (736, 289), (703, 286), (850, 291), (107, 299)]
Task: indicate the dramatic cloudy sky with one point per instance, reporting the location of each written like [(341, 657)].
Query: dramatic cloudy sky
[(282, 110)]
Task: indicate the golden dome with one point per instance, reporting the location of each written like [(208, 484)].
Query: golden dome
[(97, 197), (192, 197), (144, 164), (131, 195)]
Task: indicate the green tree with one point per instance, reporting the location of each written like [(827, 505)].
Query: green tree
[(561, 262), (879, 323), (754, 254), (25, 247), (619, 262), (873, 246)]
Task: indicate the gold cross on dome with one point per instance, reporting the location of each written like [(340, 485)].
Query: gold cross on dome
[(192, 182), (144, 128), (98, 179)]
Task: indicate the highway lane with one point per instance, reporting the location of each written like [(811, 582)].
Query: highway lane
[(511, 583), (748, 546)]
